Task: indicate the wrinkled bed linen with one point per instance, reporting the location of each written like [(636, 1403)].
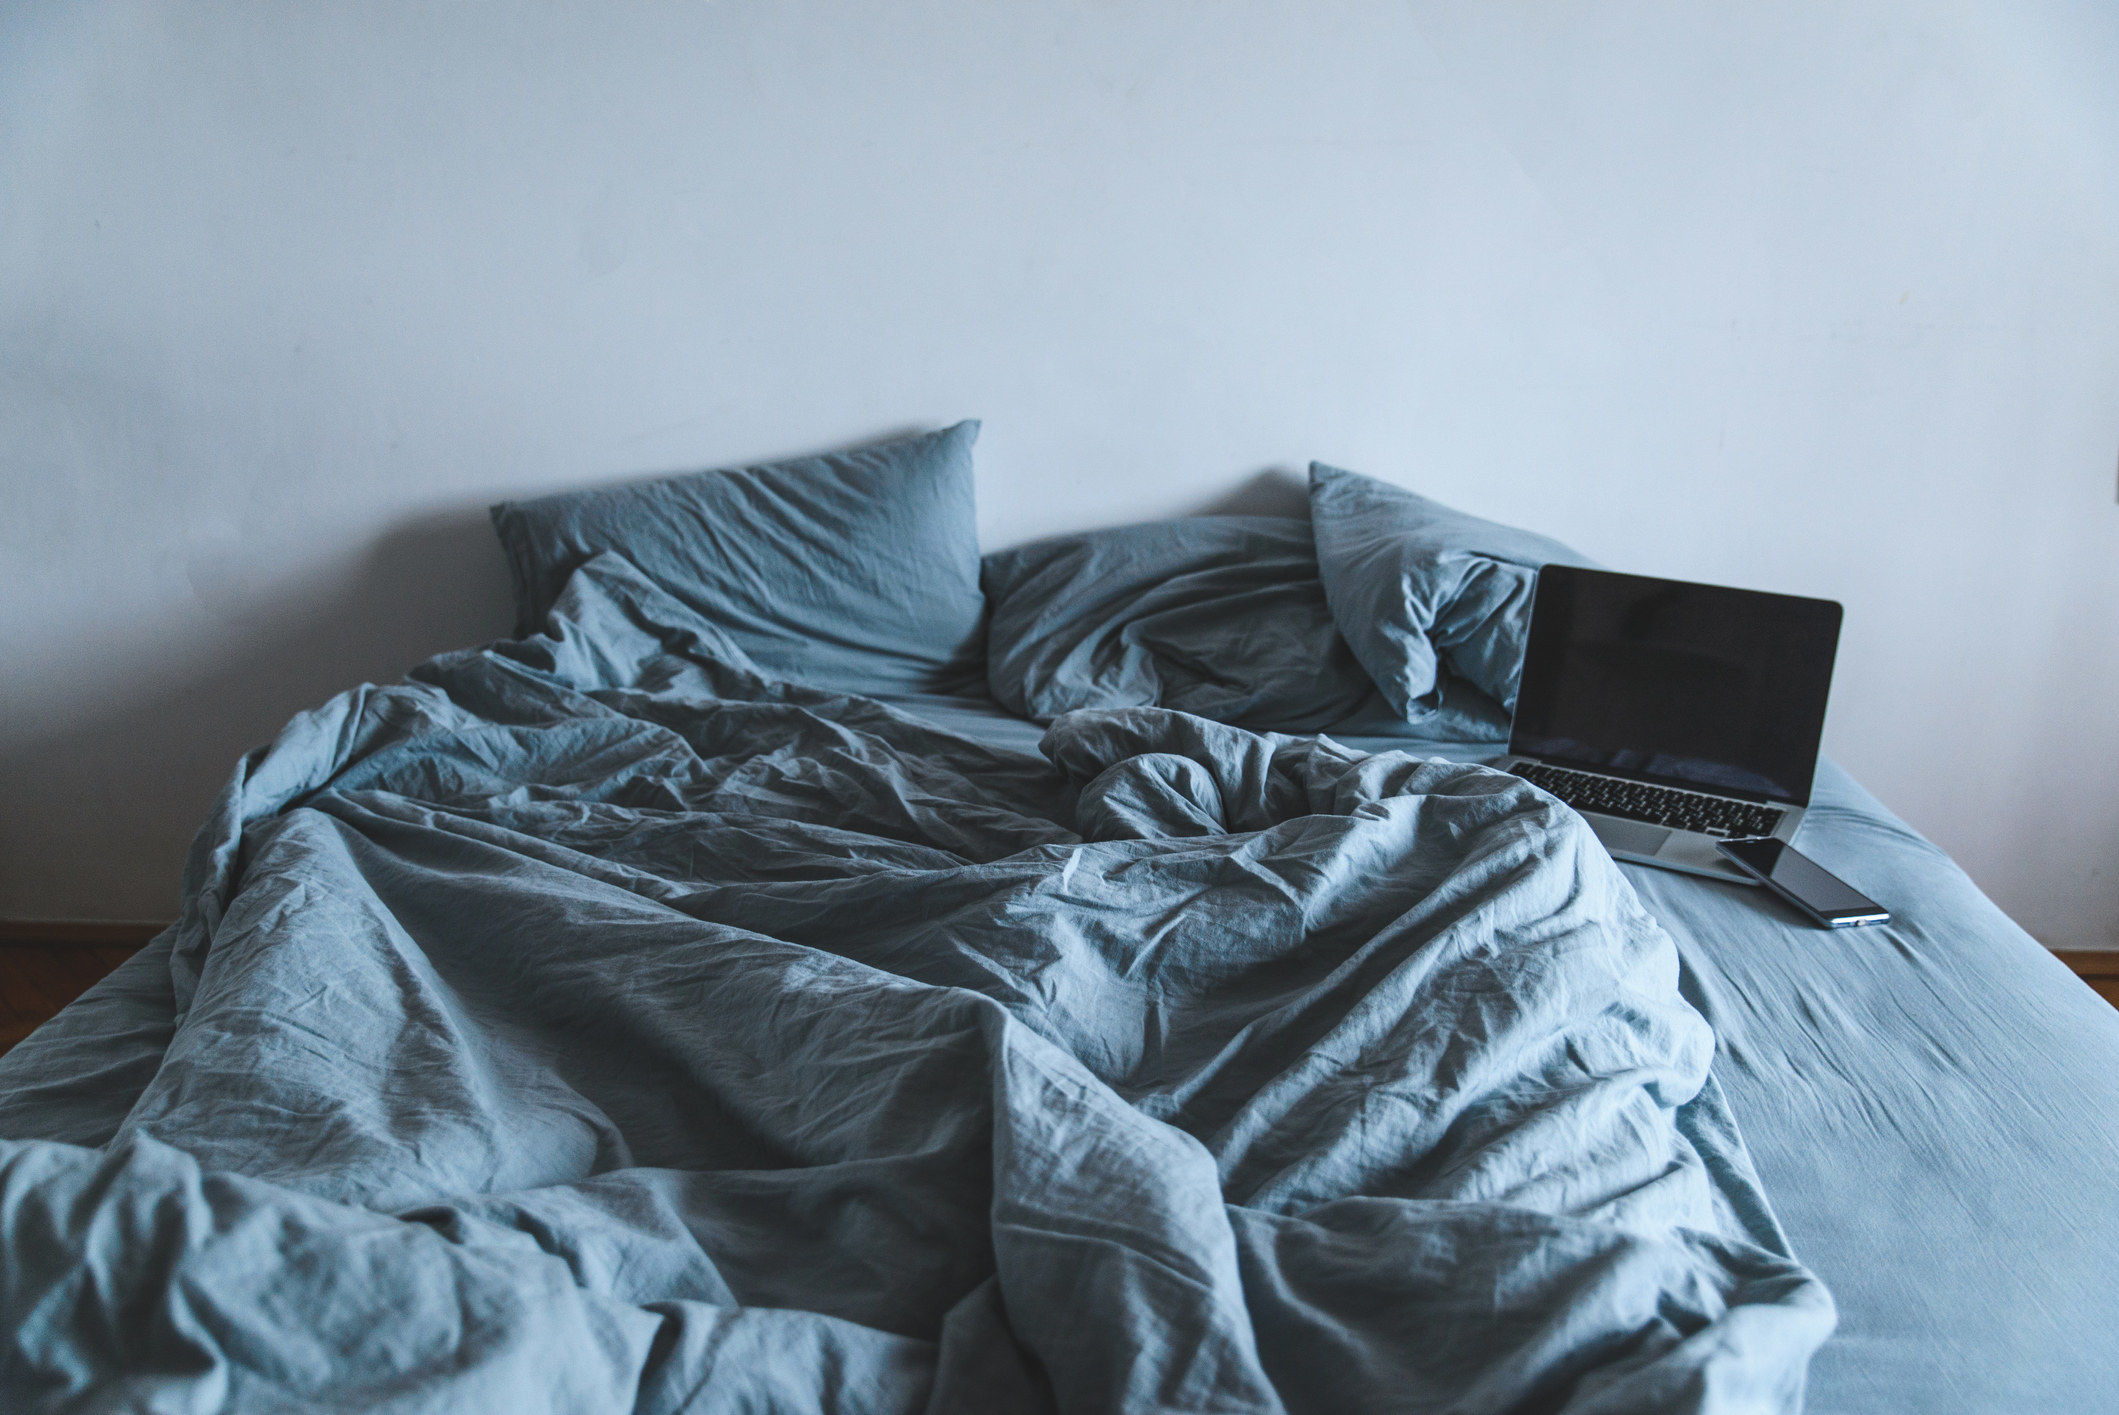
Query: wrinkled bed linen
[(593, 1024), (1933, 1104), (1220, 616), (1422, 591)]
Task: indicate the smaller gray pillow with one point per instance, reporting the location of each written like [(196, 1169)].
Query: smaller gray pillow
[(1220, 616), (856, 572), (1419, 589)]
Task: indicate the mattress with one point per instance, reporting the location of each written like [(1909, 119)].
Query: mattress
[(1932, 1104), (1929, 1105)]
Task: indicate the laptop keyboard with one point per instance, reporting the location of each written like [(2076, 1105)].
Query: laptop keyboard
[(1658, 805)]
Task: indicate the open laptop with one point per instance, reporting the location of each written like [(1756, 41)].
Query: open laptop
[(1671, 714)]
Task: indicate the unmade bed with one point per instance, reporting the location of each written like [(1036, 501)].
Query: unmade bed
[(1931, 1105), (814, 967)]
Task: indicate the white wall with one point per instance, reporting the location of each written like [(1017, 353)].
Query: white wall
[(1814, 296)]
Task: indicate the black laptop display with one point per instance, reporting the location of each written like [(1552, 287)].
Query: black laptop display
[(1690, 685)]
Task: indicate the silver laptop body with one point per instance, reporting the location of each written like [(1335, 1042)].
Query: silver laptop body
[(1671, 714)]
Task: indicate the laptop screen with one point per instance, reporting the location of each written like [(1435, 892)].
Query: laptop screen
[(1693, 685)]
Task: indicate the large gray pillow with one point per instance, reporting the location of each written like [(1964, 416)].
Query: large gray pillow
[(1420, 590), (857, 571), (1221, 616)]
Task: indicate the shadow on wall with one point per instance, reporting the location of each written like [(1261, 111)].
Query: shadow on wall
[(1272, 492), (119, 793), (105, 807)]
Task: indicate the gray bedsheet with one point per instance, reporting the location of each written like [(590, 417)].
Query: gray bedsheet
[(1933, 1105), (591, 1024)]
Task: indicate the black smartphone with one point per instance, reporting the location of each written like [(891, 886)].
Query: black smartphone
[(1804, 883)]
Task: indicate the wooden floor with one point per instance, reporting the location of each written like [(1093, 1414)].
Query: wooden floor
[(36, 981), (44, 967), (2099, 967)]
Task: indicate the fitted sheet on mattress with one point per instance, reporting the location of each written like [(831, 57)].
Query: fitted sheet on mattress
[(1932, 1104)]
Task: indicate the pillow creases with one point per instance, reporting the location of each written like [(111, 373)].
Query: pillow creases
[(855, 571), (1219, 616), (1421, 591)]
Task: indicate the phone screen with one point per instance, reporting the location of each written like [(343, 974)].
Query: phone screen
[(1803, 880)]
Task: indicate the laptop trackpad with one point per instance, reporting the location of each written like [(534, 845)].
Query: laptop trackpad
[(1629, 837)]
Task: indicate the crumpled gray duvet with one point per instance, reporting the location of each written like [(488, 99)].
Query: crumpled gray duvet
[(592, 1024)]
